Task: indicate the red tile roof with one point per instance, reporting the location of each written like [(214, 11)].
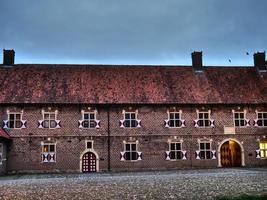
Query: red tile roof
[(3, 134), (104, 84)]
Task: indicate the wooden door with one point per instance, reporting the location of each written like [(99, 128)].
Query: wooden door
[(89, 162)]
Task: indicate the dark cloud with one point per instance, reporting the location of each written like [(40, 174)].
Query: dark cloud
[(139, 32)]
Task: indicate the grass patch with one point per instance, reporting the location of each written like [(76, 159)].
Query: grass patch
[(244, 197)]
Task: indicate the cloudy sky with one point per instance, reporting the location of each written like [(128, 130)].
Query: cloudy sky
[(133, 31)]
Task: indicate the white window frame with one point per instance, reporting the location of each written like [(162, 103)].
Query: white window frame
[(205, 150), (181, 150), (260, 119), (49, 120), (211, 121), (246, 121), (14, 113), (138, 153), (92, 142), (54, 152), (167, 122), (96, 121), (136, 119)]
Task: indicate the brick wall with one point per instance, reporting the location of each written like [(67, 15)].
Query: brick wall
[(24, 153)]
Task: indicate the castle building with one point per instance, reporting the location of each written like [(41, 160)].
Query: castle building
[(96, 118)]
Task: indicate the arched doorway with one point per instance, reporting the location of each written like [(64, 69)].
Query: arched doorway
[(231, 154), (89, 162)]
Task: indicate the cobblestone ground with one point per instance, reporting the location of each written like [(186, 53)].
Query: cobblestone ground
[(184, 184)]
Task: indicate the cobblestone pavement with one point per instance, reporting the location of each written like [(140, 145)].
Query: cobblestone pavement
[(182, 184)]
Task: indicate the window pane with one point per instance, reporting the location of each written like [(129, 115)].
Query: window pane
[(172, 155), (201, 145), (177, 116), (202, 154), (179, 155), (178, 146), (127, 116), (127, 123), (265, 122), (208, 155), (52, 148), (236, 122), (53, 124), (45, 148), (52, 116), (172, 146), (11, 124), (127, 155), (262, 145), (46, 116), (133, 123), (242, 122), (207, 145), (133, 147), (92, 124), (133, 116), (200, 122), (171, 123), (18, 116), (18, 124), (260, 123), (86, 116), (241, 115), (86, 124), (200, 115), (236, 115), (206, 115), (207, 122), (11, 116), (46, 124), (178, 123), (92, 116), (265, 115), (134, 156), (89, 145), (259, 115), (127, 146), (171, 115)]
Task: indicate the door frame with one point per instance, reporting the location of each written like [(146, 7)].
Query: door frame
[(241, 147), (89, 151)]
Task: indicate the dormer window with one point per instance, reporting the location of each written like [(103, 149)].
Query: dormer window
[(89, 120), (130, 120), (174, 120), (204, 119), (14, 121), (49, 120)]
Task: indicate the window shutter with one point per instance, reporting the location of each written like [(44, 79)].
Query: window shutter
[(122, 155), (247, 122), (184, 155), (58, 125), (183, 123), (138, 123), (258, 151), (122, 123), (197, 155), (255, 122), (24, 123), (212, 123), (196, 123), (40, 123), (97, 123), (167, 155), (166, 123), (213, 154), (80, 123), (5, 123), (139, 155)]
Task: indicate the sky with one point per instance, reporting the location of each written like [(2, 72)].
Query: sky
[(156, 32)]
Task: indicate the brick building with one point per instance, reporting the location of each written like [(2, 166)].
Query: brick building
[(87, 118)]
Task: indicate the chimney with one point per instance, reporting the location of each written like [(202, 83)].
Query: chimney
[(197, 60), (259, 61), (8, 57)]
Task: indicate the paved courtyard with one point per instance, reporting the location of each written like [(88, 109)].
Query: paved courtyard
[(183, 184)]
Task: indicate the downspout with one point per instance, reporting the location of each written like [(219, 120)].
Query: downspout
[(108, 115)]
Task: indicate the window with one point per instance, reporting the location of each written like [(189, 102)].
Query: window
[(14, 120), (131, 152), (48, 152), (239, 119), (49, 120), (130, 120), (1, 153), (89, 144), (203, 119), (261, 119), (175, 151), (205, 150), (263, 149)]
